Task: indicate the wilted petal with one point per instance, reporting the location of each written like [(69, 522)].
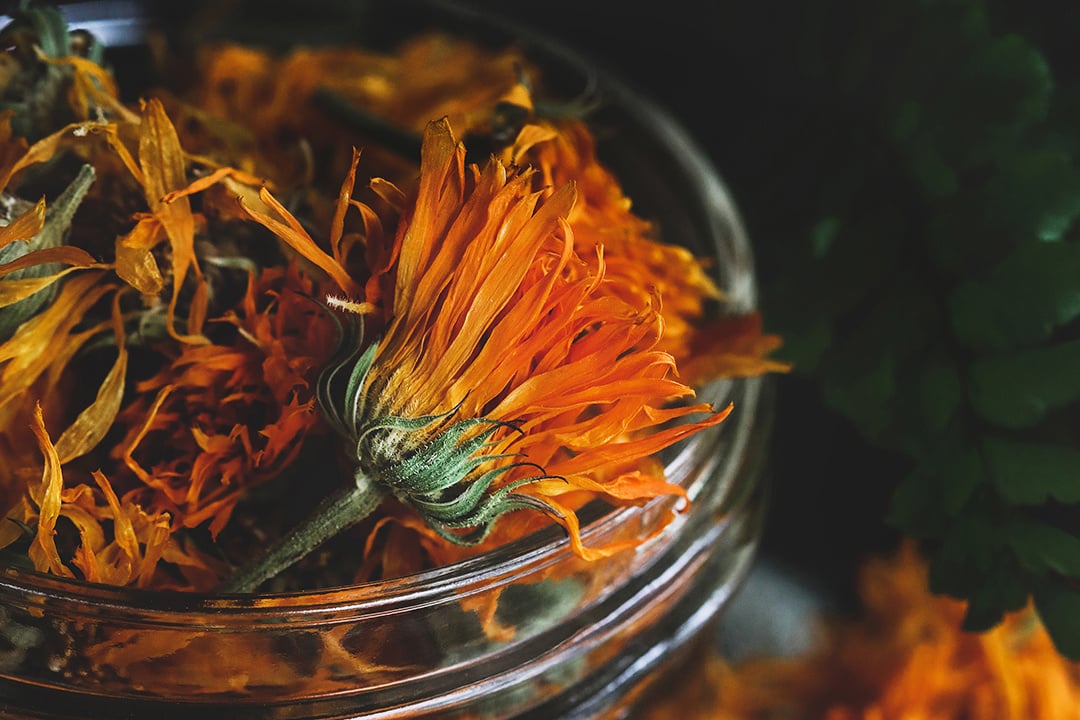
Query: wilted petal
[(163, 167), (288, 228), (25, 226), (92, 424), (12, 291), (43, 551), (135, 263)]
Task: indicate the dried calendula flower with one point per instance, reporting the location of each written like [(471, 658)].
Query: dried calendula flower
[(503, 378), (510, 335)]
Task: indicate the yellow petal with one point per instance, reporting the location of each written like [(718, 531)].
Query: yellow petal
[(135, 263), (43, 551), (94, 422), (162, 161), (12, 291), (123, 530), (31, 349), (25, 226)]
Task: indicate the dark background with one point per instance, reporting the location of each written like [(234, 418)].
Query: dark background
[(729, 72), (779, 95)]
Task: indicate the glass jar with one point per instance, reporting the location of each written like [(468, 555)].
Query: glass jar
[(529, 630)]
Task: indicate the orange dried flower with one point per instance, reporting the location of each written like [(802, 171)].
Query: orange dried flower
[(504, 377), (520, 334), (223, 417)]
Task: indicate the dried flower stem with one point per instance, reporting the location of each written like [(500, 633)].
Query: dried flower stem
[(336, 513)]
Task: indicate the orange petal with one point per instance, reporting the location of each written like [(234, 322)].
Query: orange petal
[(64, 254), (148, 423), (38, 341), (294, 235), (219, 175), (731, 347), (337, 225)]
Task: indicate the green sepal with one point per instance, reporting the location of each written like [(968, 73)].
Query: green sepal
[(434, 465), (462, 505), (354, 356)]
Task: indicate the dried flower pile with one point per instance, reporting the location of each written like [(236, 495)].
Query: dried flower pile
[(906, 658), (199, 302)]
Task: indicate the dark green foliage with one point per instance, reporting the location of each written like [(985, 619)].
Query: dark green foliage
[(932, 286)]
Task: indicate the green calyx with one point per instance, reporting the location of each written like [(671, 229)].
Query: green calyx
[(440, 467)]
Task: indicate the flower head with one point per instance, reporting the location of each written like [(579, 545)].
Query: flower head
[(508, 374)]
